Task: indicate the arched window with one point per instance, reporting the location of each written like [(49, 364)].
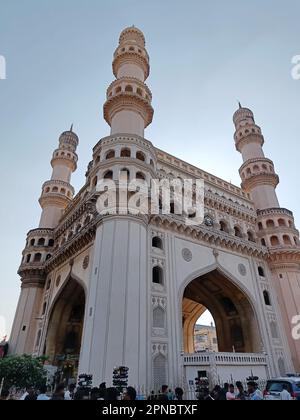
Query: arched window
[(28, 258), (157, 242), (95, 181), (151, 163), (287, 240), (48, 284), (37, 257), (126, 153), (38, 338), (47, 190), (48, 257), (256, 168), (108, 175), (63, 191), (157, 275), (251, 237), (238, 232), (270, 223), (296, 240), (261, 271), (54, 189), (110, 154), (141, 156), (44, 308), (159, 317), (263, 242), (119, 89), (224, 226), (267, 298), (125, 173), (32, 242), (274, 241), (290, 224), (281, 222), (51, 242), (140, 175), (131, 49), (41, 242), (97, 160), (260, 226), (139, 91), (128, 88)]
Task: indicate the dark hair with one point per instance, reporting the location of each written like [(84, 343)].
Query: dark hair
[(164, 388), (72, 387), (131, 392), (179, 392), (102, 385), (111, 394), (226, 385), (59, 387), (285, 386), (231, 386)]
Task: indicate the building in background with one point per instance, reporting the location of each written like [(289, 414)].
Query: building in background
[(99, 291), (205, 337)]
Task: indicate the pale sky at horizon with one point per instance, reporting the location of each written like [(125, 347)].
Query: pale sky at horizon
[(204, 57)]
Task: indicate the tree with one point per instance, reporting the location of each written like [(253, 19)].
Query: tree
[(22, 371)]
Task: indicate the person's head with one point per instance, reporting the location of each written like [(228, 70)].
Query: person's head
[(111, 394), (164, 389), (179, 393), (239, 385), (130, 394), (43, 389), (231, 388), (102, 385), (226, 386), (60, 389), (30, 391), (285, 387), (251, 387), (4, 394), (72, 387), (217, 388)]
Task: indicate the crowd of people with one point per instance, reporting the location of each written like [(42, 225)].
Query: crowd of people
[(228, 392)]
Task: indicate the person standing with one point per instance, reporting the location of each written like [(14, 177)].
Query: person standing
[(69, 395), (59, 393), (230, 395), (241, 393), (43, 394), (254, 393), (130, 394), (284, 394)]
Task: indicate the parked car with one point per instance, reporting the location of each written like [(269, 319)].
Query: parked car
[(275, 386)]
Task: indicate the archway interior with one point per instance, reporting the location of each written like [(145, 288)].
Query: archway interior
[(235, 320), (205, 335), (63, 341)]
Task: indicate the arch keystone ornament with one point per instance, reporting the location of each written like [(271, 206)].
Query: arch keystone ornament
[(127, 289)]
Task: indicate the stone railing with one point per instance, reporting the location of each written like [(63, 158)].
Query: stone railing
[(234, 359)]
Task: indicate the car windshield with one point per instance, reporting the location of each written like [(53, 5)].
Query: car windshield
[(297, 385), (277, 386)]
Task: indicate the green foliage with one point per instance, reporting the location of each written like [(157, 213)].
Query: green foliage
[(22, 371)]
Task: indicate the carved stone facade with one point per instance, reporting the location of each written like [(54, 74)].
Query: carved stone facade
[(105, 290)]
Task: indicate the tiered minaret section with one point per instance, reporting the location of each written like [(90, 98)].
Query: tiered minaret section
[(128, 107), (58, 192), (56, 195), (275, 225)]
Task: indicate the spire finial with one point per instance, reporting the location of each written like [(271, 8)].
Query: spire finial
[(240, 106), (71, 129)]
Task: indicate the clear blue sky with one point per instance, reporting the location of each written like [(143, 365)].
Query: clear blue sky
[(205, 55)]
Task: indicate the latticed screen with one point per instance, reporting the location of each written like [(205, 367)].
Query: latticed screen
[(159, 318), (159, 371)]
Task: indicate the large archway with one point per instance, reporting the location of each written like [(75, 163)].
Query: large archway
[(236, 324), (63, 340)]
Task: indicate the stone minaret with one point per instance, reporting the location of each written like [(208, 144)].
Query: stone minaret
[(56, 195), (118, 300), (128, 107), (58, 192), (275, 225)]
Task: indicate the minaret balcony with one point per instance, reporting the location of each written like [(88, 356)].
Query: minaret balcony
[(131, 55), (260, 178), (243, 139), (129, 85), (65, 158), (128, 101)]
